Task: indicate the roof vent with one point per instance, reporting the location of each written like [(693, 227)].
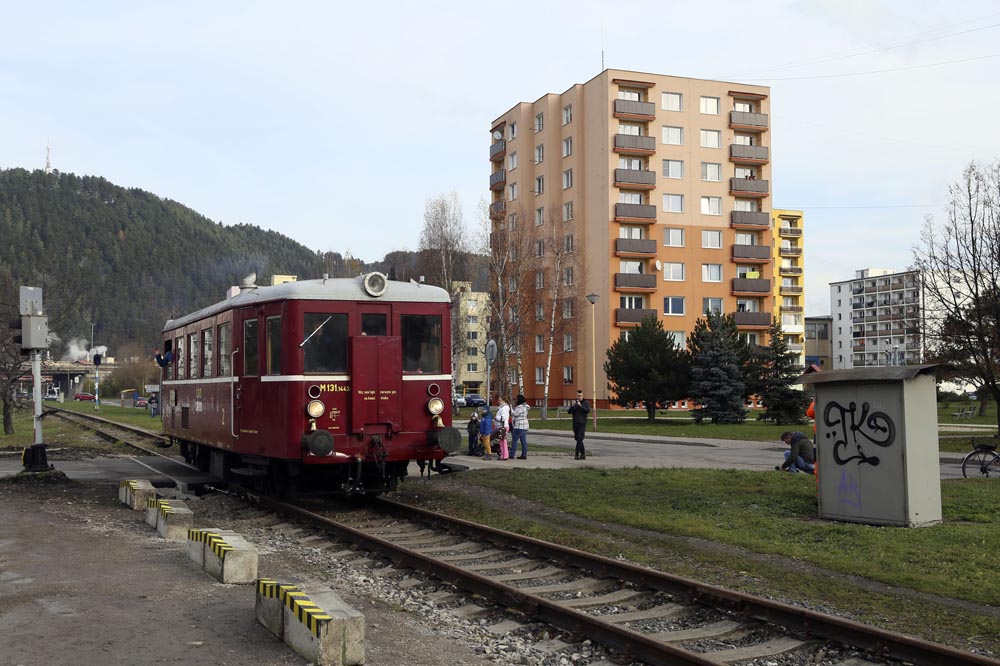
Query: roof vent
[(248, 283)]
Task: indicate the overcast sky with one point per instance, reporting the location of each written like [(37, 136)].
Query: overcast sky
[(333, 122)]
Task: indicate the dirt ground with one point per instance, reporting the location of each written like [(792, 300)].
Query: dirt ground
[(83, 580)]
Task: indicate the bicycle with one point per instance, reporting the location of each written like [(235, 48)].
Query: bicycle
[(983, 458)]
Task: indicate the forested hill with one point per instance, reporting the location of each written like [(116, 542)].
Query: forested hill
[(124, 258)]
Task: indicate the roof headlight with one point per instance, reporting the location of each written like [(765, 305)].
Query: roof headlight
[(435, 406), (315, 408)]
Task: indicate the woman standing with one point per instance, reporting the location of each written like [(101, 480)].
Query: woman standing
[(520, 430)]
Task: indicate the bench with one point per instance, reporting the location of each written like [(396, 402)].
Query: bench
[(963, 414)]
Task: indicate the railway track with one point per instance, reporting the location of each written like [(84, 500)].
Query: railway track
[(135, 438), (640, 613)]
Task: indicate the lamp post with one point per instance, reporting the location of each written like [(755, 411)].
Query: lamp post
[(592, 299), (491, 356)]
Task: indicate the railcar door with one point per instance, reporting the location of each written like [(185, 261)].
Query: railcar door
[(248, 335), (376, 373)]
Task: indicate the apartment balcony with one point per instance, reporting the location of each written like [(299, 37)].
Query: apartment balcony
[(745, 187), (498, 179), (635, 213), (628, 109), (751, 286), (627, 317), (787, 289), (497, 208), (752, 319), (858, 348), (789, 270), (498, 150), (871, 290), (750, 219), (752, 253), (635, 179), (792, 309), (748, 154), (630, 144), (635, 247), (789, 231), (795, 347), (789, 251), (635, 282), (748, 122)]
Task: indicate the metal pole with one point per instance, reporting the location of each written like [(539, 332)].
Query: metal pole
[(592, 299), (36, 375)]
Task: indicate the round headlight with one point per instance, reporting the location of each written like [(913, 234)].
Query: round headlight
[(435, 405), (315, 408), (375, 284)]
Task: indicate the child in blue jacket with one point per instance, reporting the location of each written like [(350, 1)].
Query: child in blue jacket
[(485, 432)]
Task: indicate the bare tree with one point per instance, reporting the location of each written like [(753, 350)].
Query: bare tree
[(13, 366), (959, 262)]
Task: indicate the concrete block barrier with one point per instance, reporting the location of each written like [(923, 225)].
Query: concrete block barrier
[(315, 622), (230, 558), (135, 493), (173, 519), (197, 536), (153, 511)]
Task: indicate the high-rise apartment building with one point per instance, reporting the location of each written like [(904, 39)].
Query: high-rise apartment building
[(661, 189), (789, 290), (469, 369), (877, 319)]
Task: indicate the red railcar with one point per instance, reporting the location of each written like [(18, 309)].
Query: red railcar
[(339, 383)]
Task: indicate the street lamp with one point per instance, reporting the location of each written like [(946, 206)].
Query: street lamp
[(592, 299)]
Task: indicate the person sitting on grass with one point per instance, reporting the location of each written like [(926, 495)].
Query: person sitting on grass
[(800, 456)]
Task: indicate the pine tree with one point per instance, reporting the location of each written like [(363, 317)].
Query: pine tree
[(648, 367), (716, 372), (778, 368)]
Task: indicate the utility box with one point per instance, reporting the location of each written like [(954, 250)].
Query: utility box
[(877, 445)]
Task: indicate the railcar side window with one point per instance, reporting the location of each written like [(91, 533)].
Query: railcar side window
[(181, 358), (326, 344), (193, 354), (206, 353), (250, 348), (421, 343), (373, 324), (273, 346), (168, 349), (225, 351)]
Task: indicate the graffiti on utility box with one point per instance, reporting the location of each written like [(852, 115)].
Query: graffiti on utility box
[(853, 429)]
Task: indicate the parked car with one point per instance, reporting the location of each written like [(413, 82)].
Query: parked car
[(475, 400), (459, 400), (83, 396), (141, 402)]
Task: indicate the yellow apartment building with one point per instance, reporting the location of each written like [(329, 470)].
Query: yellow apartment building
[(789, 289), (662, 189)]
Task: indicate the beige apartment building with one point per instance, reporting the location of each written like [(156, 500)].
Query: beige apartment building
[(789, 291), (663, 189)]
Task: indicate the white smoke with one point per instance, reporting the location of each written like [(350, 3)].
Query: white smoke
[(78, 349)]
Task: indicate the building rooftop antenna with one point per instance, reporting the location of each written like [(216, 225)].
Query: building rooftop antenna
[(48, 157)]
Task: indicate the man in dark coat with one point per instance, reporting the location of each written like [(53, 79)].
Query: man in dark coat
[(799, 457), (579, 410)]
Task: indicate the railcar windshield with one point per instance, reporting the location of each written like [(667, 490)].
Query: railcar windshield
[(421, 343), (326, 349)]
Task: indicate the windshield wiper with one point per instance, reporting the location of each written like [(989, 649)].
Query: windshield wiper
[(308, 337)]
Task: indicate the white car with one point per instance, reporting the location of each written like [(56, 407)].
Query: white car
[(459, 400)]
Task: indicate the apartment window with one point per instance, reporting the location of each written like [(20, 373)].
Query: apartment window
[(539, 312), (512, 131), (539, 185), (744, 106), (630, 267), (629, 197), (673, 305), (567, 114), (743, 139), (539, 122), (567, 342), (632, 95), (512, 284), (673, 169), (712, 239), (710, 106), (567, 211), (539, 343), (568, 277), (472, 319), (630, 231), (539, 154), (749, 205), (747, 305), (567, 179), (539, 280), (673, 237), (711, 272), (539, 248), (633, 163), (632, 302), (711, 171), (472, 335), (539, 216), (512, 161), (679, 338), (745, 172), (568, 244), (673, 271), (539, 375), (632, 129), (472, 351), (748, 338), (567, 309), (472, 367), (512, 192), (673, 136), (512, 221), (711, 138), (711, 205), (673, 101), (711, 305), (567, 146), (567, 374), (673, 203)]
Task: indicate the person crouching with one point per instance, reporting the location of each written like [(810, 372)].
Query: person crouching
[(800, 456)]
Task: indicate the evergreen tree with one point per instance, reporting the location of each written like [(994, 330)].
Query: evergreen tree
[(716, 372), (648, 367), (778, 368)]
